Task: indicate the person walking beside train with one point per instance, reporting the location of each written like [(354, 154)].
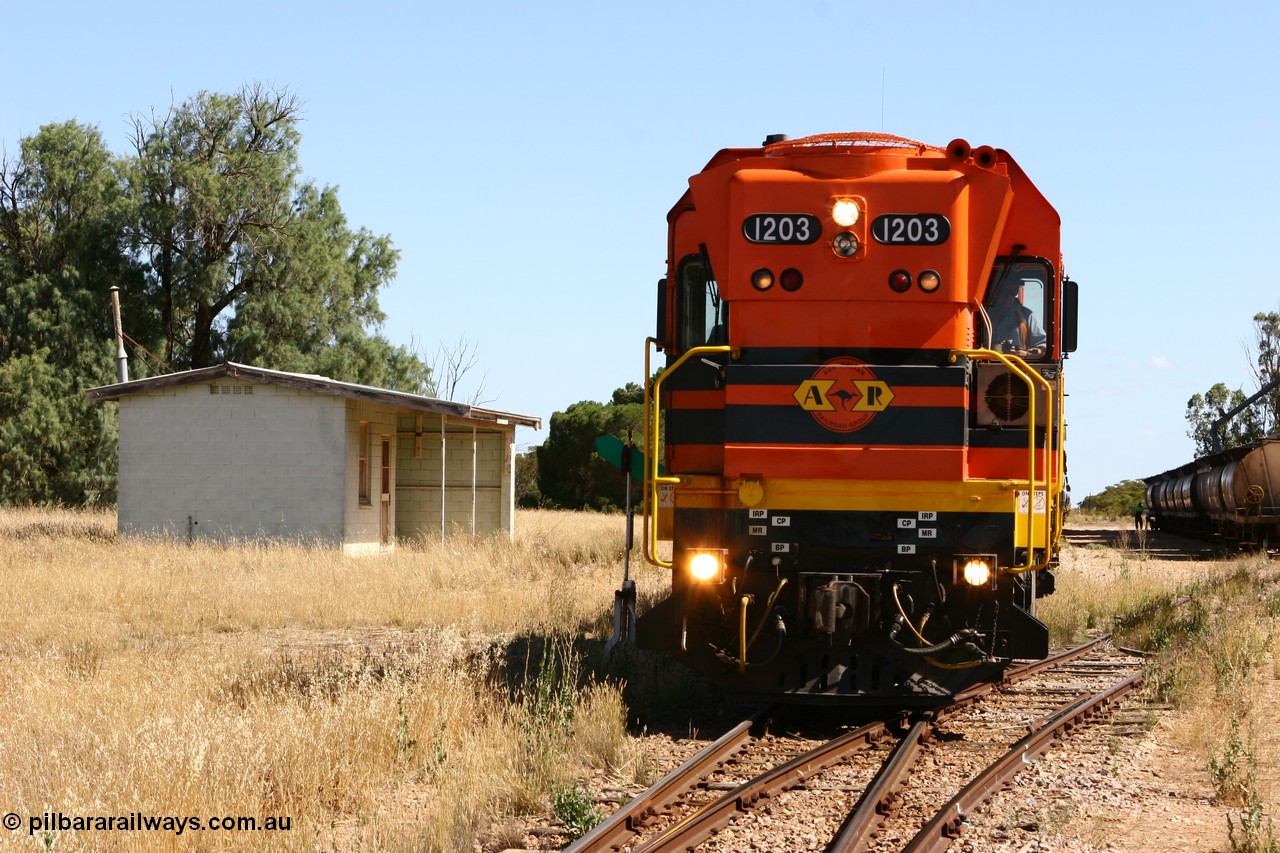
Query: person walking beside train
[(1014, 327), (1140, 516)]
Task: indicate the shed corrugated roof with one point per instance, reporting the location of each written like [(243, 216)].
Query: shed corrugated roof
[(315, 384)]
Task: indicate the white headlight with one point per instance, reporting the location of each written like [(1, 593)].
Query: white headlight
[(704, 566), (977, 572), (845, 212)]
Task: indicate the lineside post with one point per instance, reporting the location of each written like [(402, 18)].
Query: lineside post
[(624, 599)]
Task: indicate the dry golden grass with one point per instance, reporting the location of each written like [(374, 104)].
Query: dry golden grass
[(1097, 582), (559, 570), (199, 680)]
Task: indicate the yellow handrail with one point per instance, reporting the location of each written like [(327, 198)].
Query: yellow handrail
[(652, 410), (1030, 376), (1062, 461)]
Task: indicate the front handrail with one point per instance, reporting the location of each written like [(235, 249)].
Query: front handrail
[(1060, 456), (652, 411), (1030, 376)]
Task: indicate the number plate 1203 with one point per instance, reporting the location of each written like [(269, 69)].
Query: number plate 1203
[(911, 229), (794, 228)]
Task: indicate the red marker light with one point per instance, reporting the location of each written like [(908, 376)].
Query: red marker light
[(791, 279), (900, 281)]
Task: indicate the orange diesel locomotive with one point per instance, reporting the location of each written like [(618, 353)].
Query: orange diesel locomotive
[(856, 446)]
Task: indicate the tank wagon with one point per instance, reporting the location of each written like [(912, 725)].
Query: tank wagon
[(1231, 497), (855, 445)]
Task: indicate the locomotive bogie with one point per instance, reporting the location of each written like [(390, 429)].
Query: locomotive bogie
[(842, 583), (825, 606)]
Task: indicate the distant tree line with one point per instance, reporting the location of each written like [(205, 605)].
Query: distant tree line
[(222, 251), (1115, 500)]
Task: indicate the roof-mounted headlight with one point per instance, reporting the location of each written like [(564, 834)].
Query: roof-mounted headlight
[(845, 212)]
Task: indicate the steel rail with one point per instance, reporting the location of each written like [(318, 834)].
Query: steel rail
[(1020, 673), (624, 824), (938, 833), (878, 800), (694, 829)]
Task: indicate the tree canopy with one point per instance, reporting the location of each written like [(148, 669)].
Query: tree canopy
[(569, 473), (1262, 417), (63, 210), (222, 251)]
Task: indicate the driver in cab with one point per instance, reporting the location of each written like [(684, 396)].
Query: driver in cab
[(1014, 327)]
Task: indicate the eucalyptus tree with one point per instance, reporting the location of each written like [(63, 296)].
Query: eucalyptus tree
[(212, 181), (222, 251), (247, 261), (1260, 418), (569, 472)]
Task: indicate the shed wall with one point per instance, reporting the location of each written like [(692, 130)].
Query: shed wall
[(233, 459)]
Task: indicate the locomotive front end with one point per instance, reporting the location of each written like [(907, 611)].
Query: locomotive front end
[(860, 412)]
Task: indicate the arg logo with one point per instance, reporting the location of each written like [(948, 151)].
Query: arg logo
[(843, 395)]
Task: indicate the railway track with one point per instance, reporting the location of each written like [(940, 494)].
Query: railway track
[(889, 785)]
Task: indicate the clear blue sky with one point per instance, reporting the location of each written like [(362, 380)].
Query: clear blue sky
[(522, 157)]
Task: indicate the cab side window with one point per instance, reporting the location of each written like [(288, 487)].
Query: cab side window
[(704, 316), (1017, 308)]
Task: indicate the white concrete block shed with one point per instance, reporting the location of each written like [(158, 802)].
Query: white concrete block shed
[(235, 452)]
